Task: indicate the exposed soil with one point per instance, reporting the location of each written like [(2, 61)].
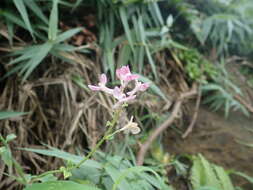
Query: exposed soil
[(216, 137)]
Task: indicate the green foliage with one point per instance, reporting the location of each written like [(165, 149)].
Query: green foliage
[(109, 172), (143, 26), (9, 114), (205, 175), (63, 185), (220, 93), (197, 67), (6, 156), (30, 57), (226, 27)]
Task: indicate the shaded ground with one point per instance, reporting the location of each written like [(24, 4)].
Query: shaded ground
[(217, 139)]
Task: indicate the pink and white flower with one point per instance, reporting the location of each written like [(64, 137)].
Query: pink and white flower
[(101, 85), (118, 93), (125, 75)]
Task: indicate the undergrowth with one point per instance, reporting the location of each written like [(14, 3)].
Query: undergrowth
[(51, 50)]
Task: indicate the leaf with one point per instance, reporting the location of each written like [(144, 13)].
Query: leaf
[(223, 178), (62, 185), (13, 18), (53, 21), (68, 34), (138, 170), (207, 188), (6, 156), (197, 174), (10, 137), (245, 176), (65, 156), (36, 9), (123, 16), (9, 114), (207, 26), (23, 12), (114, 173), (41, 52)]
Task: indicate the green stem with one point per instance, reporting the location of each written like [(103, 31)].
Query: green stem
[(44, 174), (105, 137)]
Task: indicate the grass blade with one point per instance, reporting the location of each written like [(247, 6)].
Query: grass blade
[(36, 9), (10, 114), (43, 51), (123, 16), (53, 22), (23, 12), (68, 34)]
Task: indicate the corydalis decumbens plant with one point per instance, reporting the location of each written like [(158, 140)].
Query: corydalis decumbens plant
[(119, 92), (125, 76)]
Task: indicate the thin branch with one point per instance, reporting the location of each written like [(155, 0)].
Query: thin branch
[(195, 115), (244, 103), (144, 147)]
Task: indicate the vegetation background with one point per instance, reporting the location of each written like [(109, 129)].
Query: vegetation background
[(196, 55)]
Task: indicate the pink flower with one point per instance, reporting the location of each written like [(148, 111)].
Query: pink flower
[(124, 100), (124, 74), (94, 88), (119, 93), (139, 86), (121, 97), (101, 85)]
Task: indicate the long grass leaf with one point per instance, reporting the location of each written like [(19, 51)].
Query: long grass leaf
[(53, 21), (9, 114), (23, 12), (36, 10), (42, 52), (124, 20), (68, 34), (53, 152)]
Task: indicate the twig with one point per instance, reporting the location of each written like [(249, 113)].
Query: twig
[(195, 115), (244, 102), (144, 147)]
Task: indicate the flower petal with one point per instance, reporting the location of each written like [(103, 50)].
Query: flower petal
[(127, 99), (94, 88), (144, 86), (135, 129), (103, 79), (118, 94), (130, 77)]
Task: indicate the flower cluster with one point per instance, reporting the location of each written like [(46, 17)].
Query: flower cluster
[(125, 76)]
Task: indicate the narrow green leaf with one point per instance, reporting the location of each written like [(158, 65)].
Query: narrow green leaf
[(10, 137), (68, 34), (8, 114), (53, 21), (123, 16), (62, 185), (245, 176), (36, 10), (53, 152), (23, 12), (41, 52)]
